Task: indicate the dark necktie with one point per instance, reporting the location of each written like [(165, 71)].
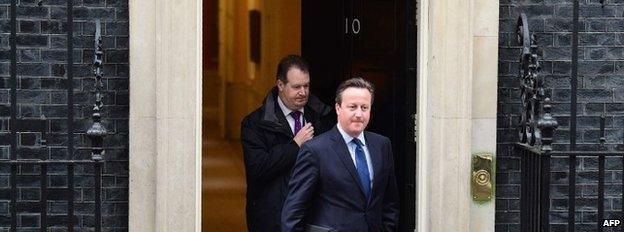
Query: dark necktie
[(362, 168), (296, 115)]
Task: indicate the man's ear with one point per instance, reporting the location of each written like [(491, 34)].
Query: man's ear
[(337, 106), (279, 84)]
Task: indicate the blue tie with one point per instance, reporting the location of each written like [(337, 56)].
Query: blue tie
[(362, 168)]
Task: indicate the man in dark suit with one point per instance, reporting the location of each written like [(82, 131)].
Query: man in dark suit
[(344, 179), (271, 137)]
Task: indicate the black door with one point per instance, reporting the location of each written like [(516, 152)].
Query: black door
[(373, 39)]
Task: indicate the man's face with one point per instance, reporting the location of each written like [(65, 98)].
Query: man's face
[(295, 92), (354, 111)]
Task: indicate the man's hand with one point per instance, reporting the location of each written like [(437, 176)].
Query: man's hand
[(306, 133)]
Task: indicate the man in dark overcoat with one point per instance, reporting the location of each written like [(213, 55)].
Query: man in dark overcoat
[(271, 137)]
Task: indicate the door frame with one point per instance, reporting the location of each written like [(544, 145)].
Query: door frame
[(165, 115), (165, 106), (457, 101)]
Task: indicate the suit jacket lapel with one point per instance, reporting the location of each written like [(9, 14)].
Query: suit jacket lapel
[(374, 151), (309, 117), (342, 151)]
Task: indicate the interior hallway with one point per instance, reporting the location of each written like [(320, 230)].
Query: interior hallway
[(223, 176), (242, 43)]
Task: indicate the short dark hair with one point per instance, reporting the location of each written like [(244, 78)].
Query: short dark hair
[(288, 62), (356, 82)]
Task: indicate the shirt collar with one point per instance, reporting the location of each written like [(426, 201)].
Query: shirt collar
[(347, 138), (285, 109)]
